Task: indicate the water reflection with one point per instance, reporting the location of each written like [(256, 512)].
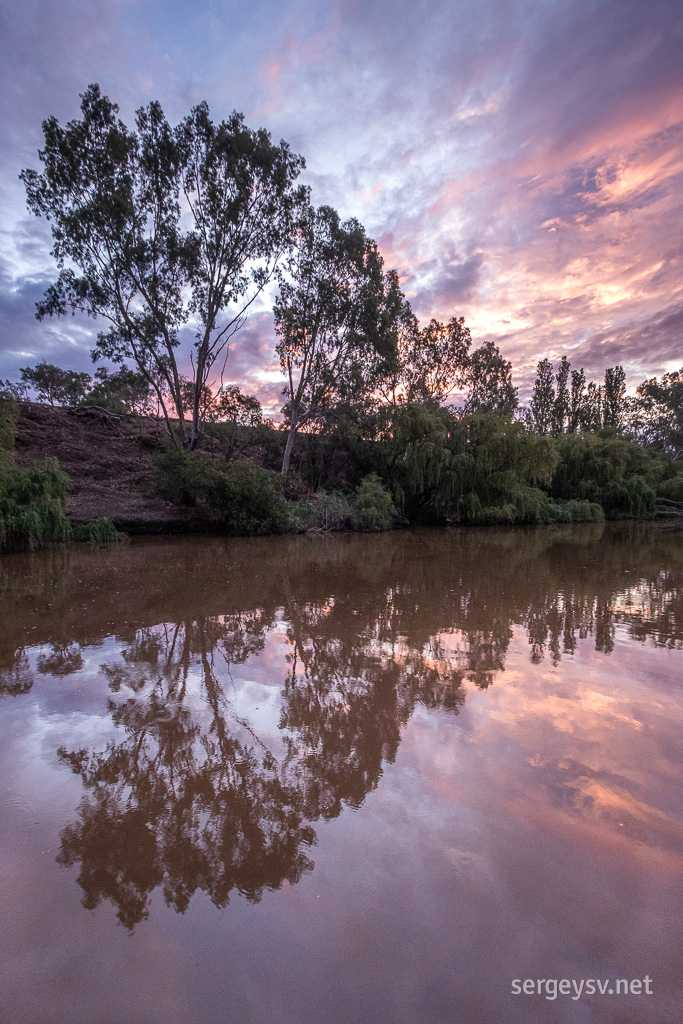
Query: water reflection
[(190, 795)]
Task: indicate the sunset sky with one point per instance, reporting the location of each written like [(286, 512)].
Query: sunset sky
[(519, 161)]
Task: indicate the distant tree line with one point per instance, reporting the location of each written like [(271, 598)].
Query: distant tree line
[(564, 402)]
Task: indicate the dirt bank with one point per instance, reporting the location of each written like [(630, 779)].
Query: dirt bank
[(109, 464)]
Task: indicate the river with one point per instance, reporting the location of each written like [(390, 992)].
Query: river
[(344, 778)]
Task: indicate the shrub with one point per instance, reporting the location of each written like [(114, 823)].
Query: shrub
[(373, 508), (324, 511), (578, 512), (672, 489), (32, 512), (503, 515), (99, 531), (239, 498), (8, 420)]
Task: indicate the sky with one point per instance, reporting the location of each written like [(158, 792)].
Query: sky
[(519, 162)]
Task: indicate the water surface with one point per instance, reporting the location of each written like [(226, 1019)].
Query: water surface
[(343, 778)]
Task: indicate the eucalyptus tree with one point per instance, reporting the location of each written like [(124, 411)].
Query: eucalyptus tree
[(660, 406), (438, 361), (488, 379), (164, 233), (54, 385), (335, 316), (426, 364)]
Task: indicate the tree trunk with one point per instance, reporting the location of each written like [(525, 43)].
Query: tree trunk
[(288, 451), (288, 447)]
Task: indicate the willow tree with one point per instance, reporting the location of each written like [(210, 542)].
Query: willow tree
[(335, 317), (165, 233)]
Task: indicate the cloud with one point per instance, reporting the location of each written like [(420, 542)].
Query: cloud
[(520, 163)]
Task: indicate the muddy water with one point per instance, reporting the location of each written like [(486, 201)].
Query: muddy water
[(345, 779)]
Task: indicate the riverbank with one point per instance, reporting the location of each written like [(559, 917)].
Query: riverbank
[(482, 470), (110, 467)]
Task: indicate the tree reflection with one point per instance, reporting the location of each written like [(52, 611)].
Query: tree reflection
[(181, 802), (16, 676), (189, 796)]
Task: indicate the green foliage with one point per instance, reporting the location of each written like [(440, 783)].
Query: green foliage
[(231, 405), (326, 510), (237, 498), (499, 465), (416, 457), (657, 413), (538, 510), (369, 510), (672, 489), (373, 508), (579, 512), (543, 399), (13, 390), (54, 385), (8, 423), (616, 473), (158, 226), (335, 316), (123, 392), (99, 531), (32, 512)]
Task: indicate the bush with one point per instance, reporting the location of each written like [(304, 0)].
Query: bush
[(579, 512), (32, 512), (373, 509), (8, 421), (99, 531), (324, 511), (504, 515), (671, 489), (238, 498)]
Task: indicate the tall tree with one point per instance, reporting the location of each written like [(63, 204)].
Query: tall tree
[(543, 398), (335, 317), (662, 405), (438, 361), (561, 403), (117, 201), (489, 381), (576, 399), (613, 400), (592, 409)]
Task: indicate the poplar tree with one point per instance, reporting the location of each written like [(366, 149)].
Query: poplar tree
[(543, 398)]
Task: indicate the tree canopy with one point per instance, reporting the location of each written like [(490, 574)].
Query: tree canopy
[(164, 233), (335, 318)]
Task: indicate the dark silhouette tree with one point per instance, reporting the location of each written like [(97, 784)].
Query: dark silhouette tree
[(54, 385), (561, 405), (663, 402), (115, 199), (613, 396), (576, 399), (488, 380), (335, 317), (543, 399)]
